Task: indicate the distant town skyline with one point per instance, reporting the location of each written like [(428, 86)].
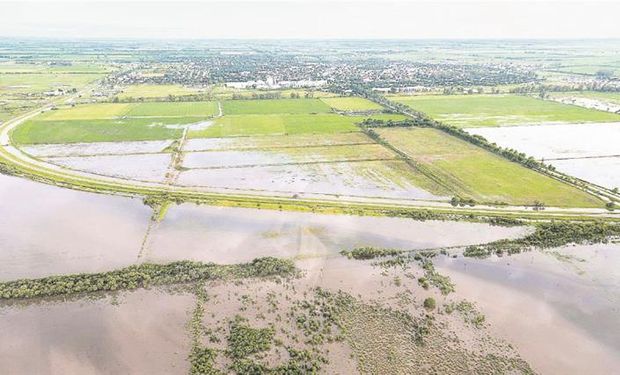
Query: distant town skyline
[(311, 19)]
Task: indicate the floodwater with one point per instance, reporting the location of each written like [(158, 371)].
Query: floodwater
[(46, 230), (96, 148), (231, 235), (601, 171), (561, 308), (557, 141), (142, 333), (271, 141), (587, 151), (366, 179), (147, 167)]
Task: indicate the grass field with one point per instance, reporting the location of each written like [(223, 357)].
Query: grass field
[(352, 104), (499, 110), (155, 91), (274, 106), (115, 110), (73, 131), (36, 83), (171, 109), (470, 171), (244, 125)]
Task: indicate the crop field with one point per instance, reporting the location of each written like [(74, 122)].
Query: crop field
[(112, 130), (274, 106), (352, 104), (613, 97), (282, 124), (39, 82), (106, 122), (155, 91), (501, 110), (469, 171)]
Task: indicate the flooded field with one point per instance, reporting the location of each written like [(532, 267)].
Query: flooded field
[(147, 167), (586, 151), (557, 141), (141, 332), (559, 308), (208, 144), (96, 148), (46, 230), (233, 158), (392, 179), (602, 171), (232, 235)]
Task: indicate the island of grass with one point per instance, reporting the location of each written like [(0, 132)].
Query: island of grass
[(500, 110), (470, 171)]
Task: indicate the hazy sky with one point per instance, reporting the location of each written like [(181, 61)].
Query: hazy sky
[(311, 19)]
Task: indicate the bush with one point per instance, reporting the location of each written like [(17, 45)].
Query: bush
[(429, 303)]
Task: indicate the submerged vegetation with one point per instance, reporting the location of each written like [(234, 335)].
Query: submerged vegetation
[(142, 276)]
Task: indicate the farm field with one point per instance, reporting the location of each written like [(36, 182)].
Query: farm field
[(277, 124), (469, 171), (108, 122), (563, 146), (352, 104), (274, 106), (501, 110), (155, 91), (40, 82)]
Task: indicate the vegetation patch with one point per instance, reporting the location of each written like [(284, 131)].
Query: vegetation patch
[(142, 276), (498, 110), (352, 104), (549, 235)]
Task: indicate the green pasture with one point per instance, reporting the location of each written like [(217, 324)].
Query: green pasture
[(352, 104), (469, 171), (277, 124), (110, 130), (500, 110), (274, 106), (155, 91)]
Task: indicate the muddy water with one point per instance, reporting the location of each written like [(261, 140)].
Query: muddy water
[(563, 315), (47, 230), (230, 235), (144, 333)]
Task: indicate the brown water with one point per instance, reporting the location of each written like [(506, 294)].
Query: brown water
[(562, 315), (143, 334), (229, 235), (46, 230)]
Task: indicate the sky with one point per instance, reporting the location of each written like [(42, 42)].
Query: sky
[(310, 19)]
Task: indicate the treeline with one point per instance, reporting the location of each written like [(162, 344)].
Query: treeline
[(542, 88), (549, 235), (141, 276)]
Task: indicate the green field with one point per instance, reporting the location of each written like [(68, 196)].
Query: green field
[(499, 110), (470, 171), (278, 124), (352, 104), (274, 106), (172, 109), (155, 91), (73, 131), (37, 83)]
